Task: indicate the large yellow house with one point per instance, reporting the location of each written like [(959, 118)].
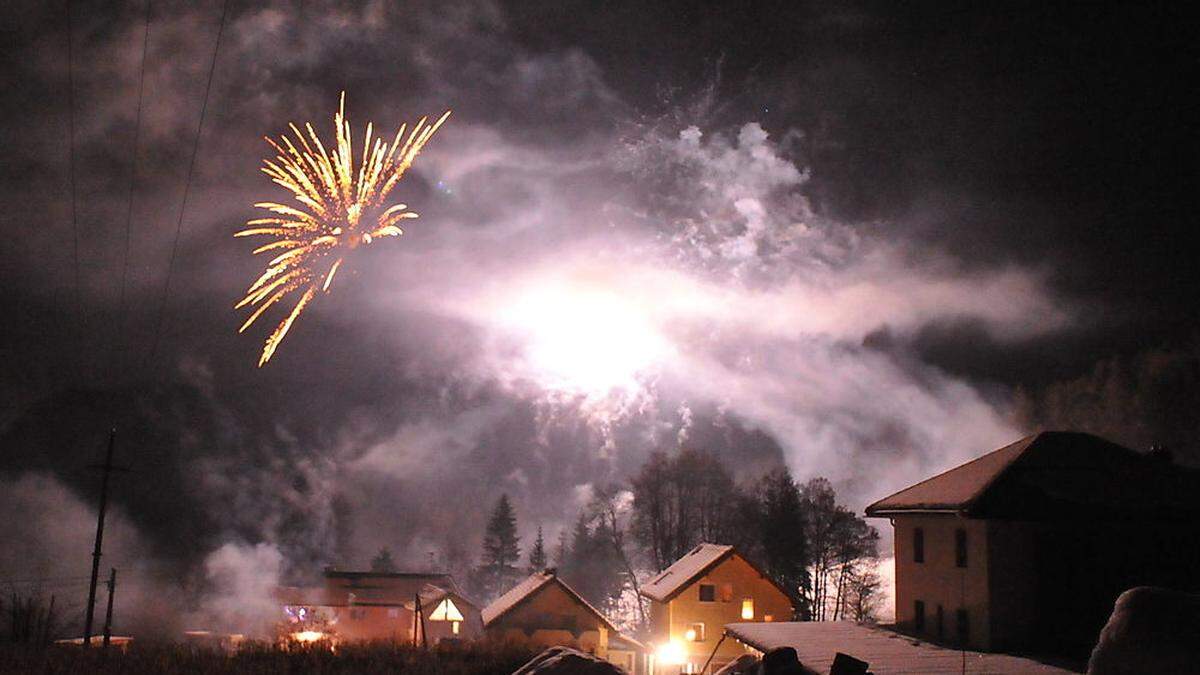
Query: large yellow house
[(693, 599), (1027, 547)]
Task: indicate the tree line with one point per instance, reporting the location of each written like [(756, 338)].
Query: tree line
[(820, 552)]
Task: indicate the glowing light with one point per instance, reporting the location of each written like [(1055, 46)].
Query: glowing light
[(446, 611), (585, 339), (308, 636), (690, 635), (340, 208), (671, 653), (748, 609)]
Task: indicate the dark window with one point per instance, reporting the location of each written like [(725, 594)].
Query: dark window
[(919, 616), (708, 593), (941, 624), (918, 545), (964, 627), (960, 548)]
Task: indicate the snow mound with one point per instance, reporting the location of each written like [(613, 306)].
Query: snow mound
[(1151, 630)]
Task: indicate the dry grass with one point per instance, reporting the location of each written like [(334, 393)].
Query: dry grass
[(478, 658)]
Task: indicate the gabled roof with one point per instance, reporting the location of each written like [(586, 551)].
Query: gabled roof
[(1054, 474), (693, 565), (529, 588)]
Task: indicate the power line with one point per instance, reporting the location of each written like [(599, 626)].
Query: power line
[(186, 189), (71, 170), (118, 328)]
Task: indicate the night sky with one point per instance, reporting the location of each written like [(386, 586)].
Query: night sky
[(862, 240)]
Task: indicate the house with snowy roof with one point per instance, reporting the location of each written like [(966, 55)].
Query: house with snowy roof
[(1027, 547), (692, 600), (543, 610), (354, 605)]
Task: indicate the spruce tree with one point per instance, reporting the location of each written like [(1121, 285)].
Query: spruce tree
[(382, 562), (537, 555), (500, 548)]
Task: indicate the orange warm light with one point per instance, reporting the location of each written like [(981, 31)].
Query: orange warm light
[(308, 636), (747, 609)]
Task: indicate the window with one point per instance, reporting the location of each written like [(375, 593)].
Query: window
[(726, 592), (708, 593), (941, 626), (768, 617), (694, 633), (960, 547), (454, 626), (747, 609), (446, 611), (919, 545), (964, 627), (919, 616)]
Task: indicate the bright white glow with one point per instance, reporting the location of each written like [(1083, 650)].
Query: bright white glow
[(690, 635), (671, 653), (583, 338), (446, 611)]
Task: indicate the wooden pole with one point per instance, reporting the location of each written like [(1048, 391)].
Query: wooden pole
[(91, 604), (112, 588)]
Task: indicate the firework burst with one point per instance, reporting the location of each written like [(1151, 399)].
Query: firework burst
[(340, 208)]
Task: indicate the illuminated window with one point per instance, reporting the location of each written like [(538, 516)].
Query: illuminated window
[(454, 626), (918, 545), (726, 592), (446, 611), (768, 617), (708, 593), (747, 609), (694, 633)]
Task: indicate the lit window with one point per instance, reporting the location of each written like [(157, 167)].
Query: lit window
[(918, 545), (747, 609), (694, 633), (454, 626), (768, 617), (446, 611), (708, 593)]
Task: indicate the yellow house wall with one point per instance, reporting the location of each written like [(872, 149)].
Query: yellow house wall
[(673, 619), (938, 581), (552, 617)]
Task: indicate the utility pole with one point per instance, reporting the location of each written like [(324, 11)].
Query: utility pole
[(108, 468), (112, 588)]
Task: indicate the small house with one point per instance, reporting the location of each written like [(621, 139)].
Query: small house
[(544, 611), (381, 606), (693, 599)]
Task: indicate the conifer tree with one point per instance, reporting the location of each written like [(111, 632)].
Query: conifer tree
[(537, 555), (500, 549)]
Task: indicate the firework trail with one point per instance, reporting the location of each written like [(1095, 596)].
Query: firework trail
[(340, 209)]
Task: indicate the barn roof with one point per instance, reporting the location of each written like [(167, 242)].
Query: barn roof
[(1054, 474), (888, 653), (529, 588)]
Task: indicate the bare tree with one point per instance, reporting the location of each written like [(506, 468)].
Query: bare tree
[(612, 505)]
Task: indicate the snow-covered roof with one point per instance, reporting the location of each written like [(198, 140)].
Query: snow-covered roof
[(888, 653), (530, 587), (1055, 474), (693, 565)]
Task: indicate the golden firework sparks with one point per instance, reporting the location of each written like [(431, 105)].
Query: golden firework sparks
[(339, 209)]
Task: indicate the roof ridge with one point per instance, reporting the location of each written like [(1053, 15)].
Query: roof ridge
[(1027, 440)]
